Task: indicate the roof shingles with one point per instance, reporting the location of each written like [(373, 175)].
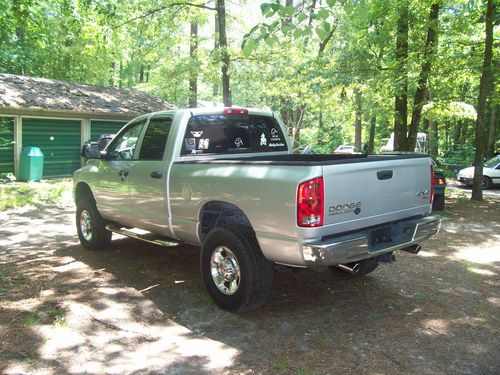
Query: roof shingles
[(46, 94)]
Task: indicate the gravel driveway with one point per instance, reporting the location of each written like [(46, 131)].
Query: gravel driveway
[(137, 308)]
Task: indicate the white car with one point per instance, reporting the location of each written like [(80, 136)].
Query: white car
[(491, 173), (346, 149)]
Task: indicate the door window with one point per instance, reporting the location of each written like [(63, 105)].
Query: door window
[(155, 139), (123, 146)]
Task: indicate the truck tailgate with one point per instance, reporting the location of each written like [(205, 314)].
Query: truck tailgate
[(359, 195)]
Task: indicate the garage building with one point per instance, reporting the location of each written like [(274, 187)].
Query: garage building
[(59, 117)]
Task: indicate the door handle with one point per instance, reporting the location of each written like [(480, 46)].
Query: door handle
[(384, 175), (156, 174), (123, 173)]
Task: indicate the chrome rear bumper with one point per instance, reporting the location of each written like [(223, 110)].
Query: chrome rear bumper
[(360, 245)]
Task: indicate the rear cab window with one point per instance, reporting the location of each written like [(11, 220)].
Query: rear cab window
[(230, 134)]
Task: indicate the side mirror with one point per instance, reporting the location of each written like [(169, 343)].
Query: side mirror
[(91, 150), (104, 155)]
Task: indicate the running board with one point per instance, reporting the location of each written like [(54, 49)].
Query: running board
[(147, 237)]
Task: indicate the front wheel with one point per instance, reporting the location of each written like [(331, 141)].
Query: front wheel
[(236, 274), (91, 227), (486, 182)]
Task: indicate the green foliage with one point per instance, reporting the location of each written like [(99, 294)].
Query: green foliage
[(301, 62), (22, 194)]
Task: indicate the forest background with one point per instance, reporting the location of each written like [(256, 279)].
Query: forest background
[(338, 71)]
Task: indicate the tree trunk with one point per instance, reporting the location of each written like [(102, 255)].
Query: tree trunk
[(120, 80), (215, 86), (357, 119), (371, 140), (112, 74), (420, 93), (226, 88), (401, 99), (490, 150), (484, 91), (193, 54), (141, 74), (433, 138)]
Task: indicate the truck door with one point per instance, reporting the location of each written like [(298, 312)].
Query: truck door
[(112, 187), (148, 178)]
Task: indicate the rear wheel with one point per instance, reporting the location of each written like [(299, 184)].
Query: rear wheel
[(91, 227), (365, 267), (236, 274), (438, 203), (486, 182)]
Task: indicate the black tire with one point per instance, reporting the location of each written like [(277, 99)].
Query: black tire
[(251, 285), (486, 182), (95, 236), (365, 267), (438, 203)]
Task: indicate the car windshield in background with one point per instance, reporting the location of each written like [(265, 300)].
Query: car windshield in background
[(225, 134), (492, 162)]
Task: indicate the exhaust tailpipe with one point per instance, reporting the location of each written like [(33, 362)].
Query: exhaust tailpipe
[(352, 268), (413, 249)]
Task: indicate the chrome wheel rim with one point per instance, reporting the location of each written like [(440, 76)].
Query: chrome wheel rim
[(225, 270), (86, 225)]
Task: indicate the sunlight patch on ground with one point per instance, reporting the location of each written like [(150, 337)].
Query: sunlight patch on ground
[(483, 254), (117, 344), (427, 254), (481, 271)]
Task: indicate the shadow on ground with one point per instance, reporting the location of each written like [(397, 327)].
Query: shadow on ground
[(138, 308)]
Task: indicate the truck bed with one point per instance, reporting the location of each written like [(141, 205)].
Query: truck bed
[(304, 160)]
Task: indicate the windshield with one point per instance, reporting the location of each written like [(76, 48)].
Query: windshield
[(492, 162), (225, 134)]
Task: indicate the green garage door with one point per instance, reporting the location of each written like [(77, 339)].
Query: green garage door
[(99, 127), (6, 145), (59, 141)]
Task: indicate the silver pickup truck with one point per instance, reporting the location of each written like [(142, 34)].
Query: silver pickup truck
[(225, 179)]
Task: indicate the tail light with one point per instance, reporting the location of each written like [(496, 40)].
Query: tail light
[(310, 203), (439, 180), (432, 184), (235, 111)]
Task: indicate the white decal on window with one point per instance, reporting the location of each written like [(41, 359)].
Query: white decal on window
[(197, 134), (263, 140), (276, 144), (190, 143), (203, 145), (275, 135), (238, 142)]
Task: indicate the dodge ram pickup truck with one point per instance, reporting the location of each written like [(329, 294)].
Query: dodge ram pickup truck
[(225, 179)]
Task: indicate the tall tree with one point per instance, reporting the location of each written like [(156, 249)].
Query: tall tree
[(420, 93), (193, 54), (357, 118), (484, 91), (226, 85), (401, 99)]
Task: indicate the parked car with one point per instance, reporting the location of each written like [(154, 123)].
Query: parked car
[(225, 179), (439, 190), (346, 149), (491, 173)]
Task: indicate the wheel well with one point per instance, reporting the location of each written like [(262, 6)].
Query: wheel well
[(82, 191), (215, 214)]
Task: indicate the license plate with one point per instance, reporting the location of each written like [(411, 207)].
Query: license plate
[(381, 235)]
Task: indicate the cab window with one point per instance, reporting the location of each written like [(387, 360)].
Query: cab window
[(155, 139), (124, 144)]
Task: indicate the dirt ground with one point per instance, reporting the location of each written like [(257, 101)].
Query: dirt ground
[(140, 309)]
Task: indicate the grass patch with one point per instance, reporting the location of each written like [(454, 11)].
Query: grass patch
[(281, 364), (58, 316), (32, 319), (21, 194)]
